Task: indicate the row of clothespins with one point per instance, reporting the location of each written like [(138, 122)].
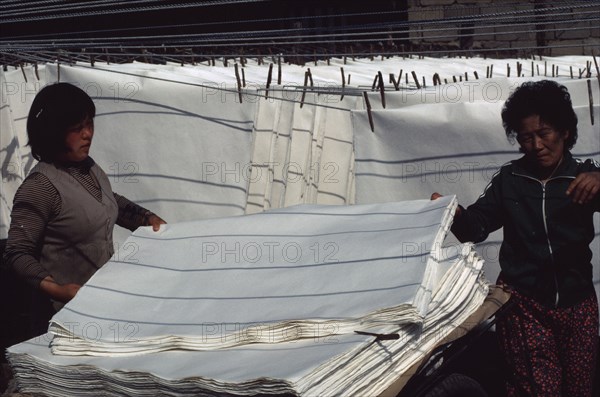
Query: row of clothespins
[(379, 84)]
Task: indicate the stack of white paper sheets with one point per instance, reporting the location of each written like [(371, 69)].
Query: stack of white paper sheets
[(265, 303)]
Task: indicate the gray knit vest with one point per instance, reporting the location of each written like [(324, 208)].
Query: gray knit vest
[(78, 241)]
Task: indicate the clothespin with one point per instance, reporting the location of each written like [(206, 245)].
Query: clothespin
[(476, 75), (538, 69), (588, 65), (37, 74), (491, 70), (279, 70), (532, 69), (58, 71), (368, 105), (349, 75), (243, 78), (596, 64), (343, 82), (519, 68), (374, 82), (269, 80), (381, 89), (304, 89), (507, 70), (466, 76), (423, 78), (487, 72), (454, 79), (597, 68), (380, 336), (591, 98), (545, 68), (23, 71), (393, 81), (352, 52), (414, 75), (239, 82)]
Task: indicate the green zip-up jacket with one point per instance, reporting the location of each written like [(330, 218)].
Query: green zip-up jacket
[(545, 253)]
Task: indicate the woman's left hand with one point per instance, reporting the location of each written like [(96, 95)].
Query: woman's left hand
[(585, 187), (155, 221)]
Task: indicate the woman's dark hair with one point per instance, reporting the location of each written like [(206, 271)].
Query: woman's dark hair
[(54, 109), (546, 98)]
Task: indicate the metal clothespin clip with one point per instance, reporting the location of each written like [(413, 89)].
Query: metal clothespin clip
[(379, 336)]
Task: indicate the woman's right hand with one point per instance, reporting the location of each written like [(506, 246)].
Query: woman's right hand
[(62, 293), (436, 196)]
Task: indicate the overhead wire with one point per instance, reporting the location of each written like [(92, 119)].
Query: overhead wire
[(158, 7), (288, 41), (285, 34)]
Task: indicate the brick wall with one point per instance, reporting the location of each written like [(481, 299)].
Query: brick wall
[(531, 26)]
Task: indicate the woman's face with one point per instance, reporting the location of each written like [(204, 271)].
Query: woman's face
[(78, 140), (542, 144)]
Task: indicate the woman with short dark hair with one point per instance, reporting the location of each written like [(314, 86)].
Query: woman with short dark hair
[(64, 211), (545, 202)]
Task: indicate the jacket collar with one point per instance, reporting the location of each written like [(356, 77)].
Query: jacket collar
[(566, 169), (83, 165)]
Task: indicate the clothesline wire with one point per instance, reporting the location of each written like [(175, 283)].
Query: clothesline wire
[(537, 12), (89, 4), (86, 5), (301, 43), (191, 43), (285, 34), (53, 55)]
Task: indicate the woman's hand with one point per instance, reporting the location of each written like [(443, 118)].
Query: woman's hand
[(62, 293), (585, 187), (436, 196), (155, 221)]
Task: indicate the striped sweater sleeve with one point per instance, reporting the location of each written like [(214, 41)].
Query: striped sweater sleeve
[(36, 202), (131, 216)]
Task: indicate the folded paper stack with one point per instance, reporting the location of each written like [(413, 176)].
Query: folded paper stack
[(268, 303)]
